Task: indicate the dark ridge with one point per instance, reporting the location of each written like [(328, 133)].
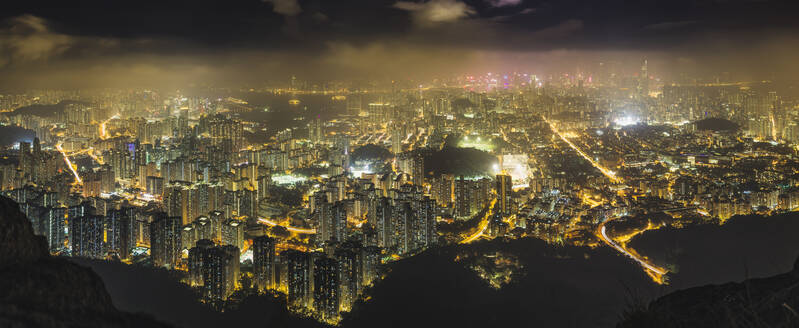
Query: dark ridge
[(159, 292), (460, 161), (371, 152), (745, 247), (18, 244), (555, 287), (37, 290), (762, 302), (50, 110), (751, 253)]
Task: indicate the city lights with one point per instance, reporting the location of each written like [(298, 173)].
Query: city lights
[(406, 163)]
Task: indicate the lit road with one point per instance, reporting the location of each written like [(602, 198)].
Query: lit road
[(103, 133), (608, 173), (289, 228), (89, 152), (657, 273), (69, 163), (481, 228), (95, 157)]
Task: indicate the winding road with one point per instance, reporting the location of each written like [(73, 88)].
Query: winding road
[(657, 273)]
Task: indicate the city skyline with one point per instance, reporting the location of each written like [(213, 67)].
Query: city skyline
[(307, 163), (46, 44)]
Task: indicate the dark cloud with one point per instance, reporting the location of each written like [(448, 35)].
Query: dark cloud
[(670, 25), (504, 3), (203, 41), (431, 12), (286, 7)]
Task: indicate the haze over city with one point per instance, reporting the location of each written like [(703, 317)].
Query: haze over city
[(436, 163)]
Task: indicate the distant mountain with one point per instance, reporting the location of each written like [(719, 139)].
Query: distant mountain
[(38, 290), (50, 110)]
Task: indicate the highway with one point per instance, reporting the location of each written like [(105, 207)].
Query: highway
[(78, 180), (608, 173), (481, 228), (657, 273), (103, 133), (289, 228)]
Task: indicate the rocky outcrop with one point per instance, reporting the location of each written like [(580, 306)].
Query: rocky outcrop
[(37, 290), (17, 242), (762, 302)]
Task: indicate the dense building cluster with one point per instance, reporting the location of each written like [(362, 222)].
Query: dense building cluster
[(312, 199)]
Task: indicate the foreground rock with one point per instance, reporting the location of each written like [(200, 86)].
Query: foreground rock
[(38, 290)]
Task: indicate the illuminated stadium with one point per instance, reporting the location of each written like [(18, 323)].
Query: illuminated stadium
[(476, 142)]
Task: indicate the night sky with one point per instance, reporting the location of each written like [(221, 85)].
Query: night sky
[(147, 42)]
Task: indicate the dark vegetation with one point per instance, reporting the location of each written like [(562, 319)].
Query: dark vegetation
[(561, 286), (11, 134), (716, 124), (51, 110), (38, 290), (764, 302), (371, 152), (459, 161)]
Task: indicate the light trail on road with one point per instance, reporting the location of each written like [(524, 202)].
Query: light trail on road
[(69, 163), (103, 133), (289, 228), (481, 228), (656, 273), (608, 173)]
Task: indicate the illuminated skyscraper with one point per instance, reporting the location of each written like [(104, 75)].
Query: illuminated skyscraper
[(264, 262), (350, 280), (196, 258), (218, 266), (299, 277), (86, 236), (442, 189), (463, 197), (165, 245), (370, 261), (326, 288), (324, 218), (403, 219), (643, 80), (264, 182), (55, 221), (340, 221), (396, 141), (82, 209), (176, 199), (119, 231), (383, 217), (233, 233), (424, 227), (418, 170), (315, 130), (226, 133), (155, 185), (504, 192)]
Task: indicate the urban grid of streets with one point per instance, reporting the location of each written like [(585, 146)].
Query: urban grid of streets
[(563, 175)]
